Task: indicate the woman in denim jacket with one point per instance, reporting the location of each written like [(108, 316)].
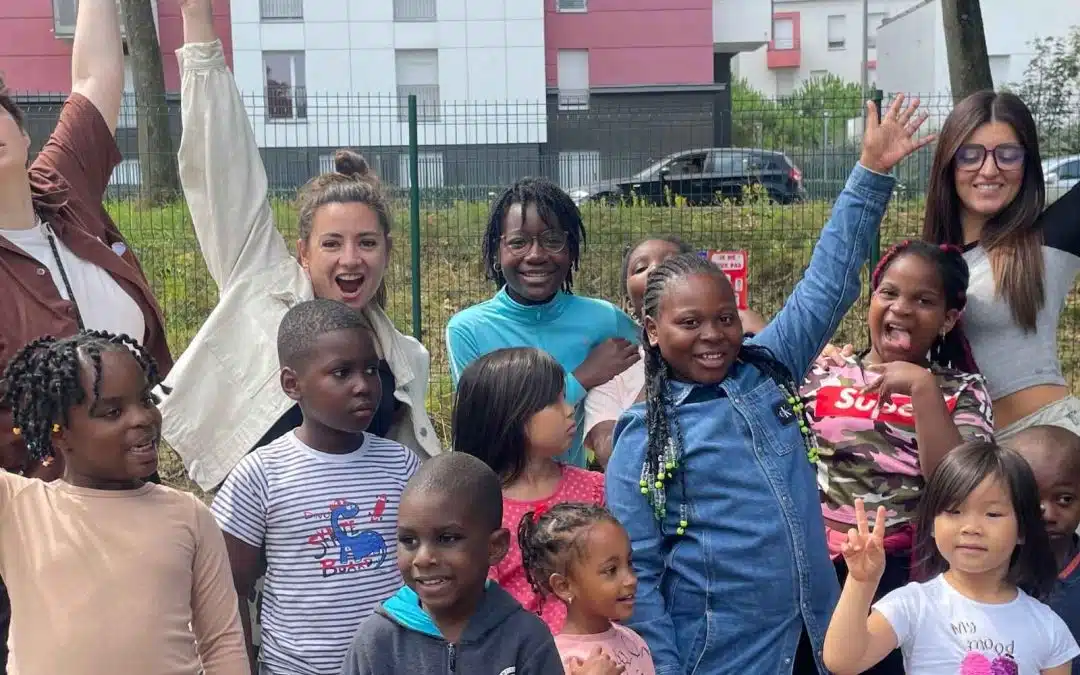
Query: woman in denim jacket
[(712, 476)]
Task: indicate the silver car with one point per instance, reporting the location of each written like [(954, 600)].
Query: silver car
[(1061, 174)]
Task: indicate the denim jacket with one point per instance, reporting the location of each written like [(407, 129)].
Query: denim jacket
[(732, 594)]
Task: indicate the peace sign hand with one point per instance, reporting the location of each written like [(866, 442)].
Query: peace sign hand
[(889, 139), (864, 550)]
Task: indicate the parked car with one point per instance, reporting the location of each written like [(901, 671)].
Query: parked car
[(1060, 174), (704, 176)]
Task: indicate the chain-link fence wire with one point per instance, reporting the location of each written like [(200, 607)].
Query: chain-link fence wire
[(469, 152)]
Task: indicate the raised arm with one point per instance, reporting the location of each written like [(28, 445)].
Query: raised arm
[(97, 58), (831, 283), (221, 170)]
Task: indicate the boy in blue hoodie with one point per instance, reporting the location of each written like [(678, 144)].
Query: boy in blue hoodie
[(447, 618)]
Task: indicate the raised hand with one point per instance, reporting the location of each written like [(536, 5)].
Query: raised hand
[(198, 18), (864, 550), (891, 138)]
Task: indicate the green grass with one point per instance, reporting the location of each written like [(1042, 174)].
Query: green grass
[(779, 240)]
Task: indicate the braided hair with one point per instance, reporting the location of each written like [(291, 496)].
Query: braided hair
[(553, 539), (42, 381), (952, 349), (664, 450), (672, 239), (555, 208)]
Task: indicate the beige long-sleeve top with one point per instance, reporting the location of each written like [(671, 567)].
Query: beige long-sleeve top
[(116, 581)]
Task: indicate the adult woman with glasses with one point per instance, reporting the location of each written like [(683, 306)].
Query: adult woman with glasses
[(987, 195), (531, 247)]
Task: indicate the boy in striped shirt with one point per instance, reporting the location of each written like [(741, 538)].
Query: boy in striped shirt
[(318, 507)]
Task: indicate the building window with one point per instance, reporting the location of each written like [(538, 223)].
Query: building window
[(873, 22), (418, 75), (785, 82), (429, 168), (128, 115), (570, 5), (414, 10), (783, 34), (573, 79), (65, 12), (286, 95), (578, 168), (837, 31), (281, 9)]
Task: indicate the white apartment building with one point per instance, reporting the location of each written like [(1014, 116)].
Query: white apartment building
[(812, 38), (911, 46), (298, 63)]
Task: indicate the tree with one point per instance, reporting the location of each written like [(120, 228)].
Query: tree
[(157, 159), (819, 107), (1051, 88), (965, 44)]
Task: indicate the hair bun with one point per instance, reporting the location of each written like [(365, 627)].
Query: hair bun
[(352, 163)]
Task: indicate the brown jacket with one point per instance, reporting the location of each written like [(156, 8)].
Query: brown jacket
[(68, 181)]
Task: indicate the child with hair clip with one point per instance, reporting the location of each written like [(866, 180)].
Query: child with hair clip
[(607, 401), (108, 573), (884, 419), (510, 411), (581, 554), (712, 477), (984, 561)]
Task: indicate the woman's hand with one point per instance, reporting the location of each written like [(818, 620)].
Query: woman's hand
[(834, 356), (198, 18), (889, 139), (598, 663), (605, 361), (898, 377), (864, 550)]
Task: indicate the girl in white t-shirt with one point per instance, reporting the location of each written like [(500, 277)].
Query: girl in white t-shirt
[(983, 553)]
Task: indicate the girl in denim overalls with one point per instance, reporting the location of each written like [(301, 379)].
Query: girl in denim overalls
[(712, 476)]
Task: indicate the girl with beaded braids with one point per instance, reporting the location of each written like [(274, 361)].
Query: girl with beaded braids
[(106, 570), (885, 418), (712, 475)]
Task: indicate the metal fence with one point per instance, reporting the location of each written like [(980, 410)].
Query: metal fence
[(468, 152)]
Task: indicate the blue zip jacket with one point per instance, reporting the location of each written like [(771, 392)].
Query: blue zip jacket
[(567, 327), (733, 593)]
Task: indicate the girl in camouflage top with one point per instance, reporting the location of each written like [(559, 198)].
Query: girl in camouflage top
[(885, 419)]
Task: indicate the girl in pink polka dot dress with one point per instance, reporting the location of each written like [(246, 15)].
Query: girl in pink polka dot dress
[(511, 412)]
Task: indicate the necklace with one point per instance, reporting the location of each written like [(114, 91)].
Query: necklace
[(63, 272)]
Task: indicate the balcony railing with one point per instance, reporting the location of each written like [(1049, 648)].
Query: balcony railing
[(570, 5), (573, 99), (427, 102), (414, 10), (281, 9)]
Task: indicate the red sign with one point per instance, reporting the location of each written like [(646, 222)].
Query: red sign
[(734, 265), (848, 402)]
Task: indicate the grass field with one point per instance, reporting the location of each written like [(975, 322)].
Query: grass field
[(778, 239)]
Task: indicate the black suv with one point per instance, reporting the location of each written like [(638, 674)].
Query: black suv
[(702, 177)]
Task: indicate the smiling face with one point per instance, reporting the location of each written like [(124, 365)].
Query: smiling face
[(111, 441), (908, 310), (978, 535), (640, 262), (337, 385), (346, 253), (987, 182), (697, 327), (14, 142), (534, 255), (601, 580)]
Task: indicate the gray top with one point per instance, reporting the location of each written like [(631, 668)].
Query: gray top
[(1010, 358)]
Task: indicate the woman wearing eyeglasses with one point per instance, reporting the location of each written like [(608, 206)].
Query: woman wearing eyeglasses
[(531, 247), (986, 194)]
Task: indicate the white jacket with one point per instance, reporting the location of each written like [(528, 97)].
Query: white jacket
[(226, 390)]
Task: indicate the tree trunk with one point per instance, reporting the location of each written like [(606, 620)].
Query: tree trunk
[(965, 42), (157, 160)]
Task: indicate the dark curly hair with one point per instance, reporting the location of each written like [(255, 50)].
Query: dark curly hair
[(550, 543), (556, 209), (41, 383)]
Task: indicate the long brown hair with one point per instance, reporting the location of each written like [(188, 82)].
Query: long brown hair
[(352, 182), (1011, 238)]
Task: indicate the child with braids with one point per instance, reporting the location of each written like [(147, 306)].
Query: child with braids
[(510, 410), (531, 248), (581, 554), (885, 418), (713, 475), (108, 573)]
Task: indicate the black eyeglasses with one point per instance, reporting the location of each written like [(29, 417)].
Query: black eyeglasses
[(552, 241), (1007, 156)]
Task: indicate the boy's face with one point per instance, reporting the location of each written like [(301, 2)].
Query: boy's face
[(338, 385), (1059, 492), (444, 552)]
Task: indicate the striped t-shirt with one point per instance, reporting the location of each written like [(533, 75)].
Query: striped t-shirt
[(328, 526)]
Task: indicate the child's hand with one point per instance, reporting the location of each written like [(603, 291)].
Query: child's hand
[(898, 377), (598, 663), (864, 550), (834, 356), (605, 361), (888, 140)]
